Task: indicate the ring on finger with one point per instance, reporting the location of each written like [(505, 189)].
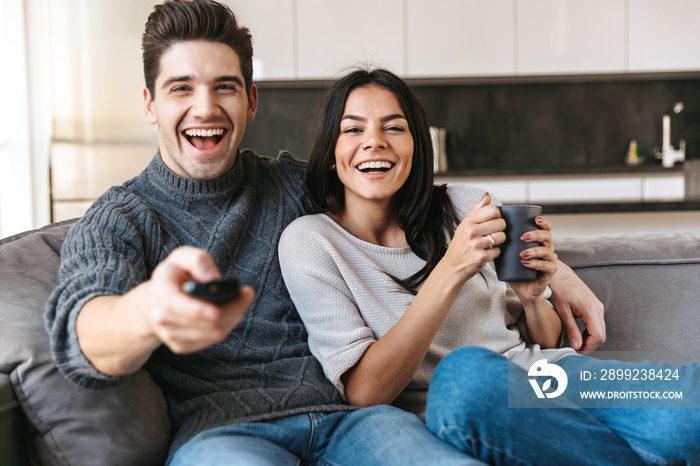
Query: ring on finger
[(490, 240)]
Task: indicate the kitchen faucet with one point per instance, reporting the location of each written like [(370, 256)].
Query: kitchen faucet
[(668, 155)]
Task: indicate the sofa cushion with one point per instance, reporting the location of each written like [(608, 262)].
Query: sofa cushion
[(126, 424), (11, 452), (648, 283)]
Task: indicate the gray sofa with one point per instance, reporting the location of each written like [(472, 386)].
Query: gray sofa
[(648, 283)]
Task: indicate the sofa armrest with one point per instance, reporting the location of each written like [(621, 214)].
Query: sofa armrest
[(648, 285), (67, 424)]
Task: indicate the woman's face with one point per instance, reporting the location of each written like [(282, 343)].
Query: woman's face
[(374, 151)]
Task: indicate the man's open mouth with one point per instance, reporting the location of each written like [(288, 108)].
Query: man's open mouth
[(204, 139), (372, 167)]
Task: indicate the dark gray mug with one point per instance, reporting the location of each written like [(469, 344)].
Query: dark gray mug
[(519, 220)]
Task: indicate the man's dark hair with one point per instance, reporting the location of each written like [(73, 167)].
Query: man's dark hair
[(176, 21)]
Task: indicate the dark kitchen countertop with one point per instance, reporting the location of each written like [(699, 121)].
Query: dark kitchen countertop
[(620, 207), (607, 170)]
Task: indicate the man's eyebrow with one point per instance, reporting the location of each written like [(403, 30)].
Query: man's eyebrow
[(235, 79), (393, 116), (186, 78), (175, 79)]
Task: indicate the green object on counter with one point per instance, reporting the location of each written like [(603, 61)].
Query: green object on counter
[(634, 156)]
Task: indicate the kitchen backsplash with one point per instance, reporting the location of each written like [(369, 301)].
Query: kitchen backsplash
[(537, 127)]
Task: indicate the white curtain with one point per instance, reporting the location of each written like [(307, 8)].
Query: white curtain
[(25, 115), (16, 213)]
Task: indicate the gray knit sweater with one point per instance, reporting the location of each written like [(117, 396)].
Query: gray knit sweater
[(264, 369)]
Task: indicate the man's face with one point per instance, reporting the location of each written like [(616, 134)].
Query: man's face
[(201, 108)]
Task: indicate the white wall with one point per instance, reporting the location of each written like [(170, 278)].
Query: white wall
[(76, 69)]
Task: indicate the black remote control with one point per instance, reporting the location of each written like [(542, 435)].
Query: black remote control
[(217, 291)]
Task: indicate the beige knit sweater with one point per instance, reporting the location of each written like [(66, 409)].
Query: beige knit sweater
[(346, 299)]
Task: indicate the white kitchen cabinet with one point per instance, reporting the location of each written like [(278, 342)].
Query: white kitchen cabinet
[(321, 39), (65, 210), (334, 36), (560, 189), (447, 38), (664, 188), (80, 173), (570, 36), (585, 190), (664, 35), (271, 22)]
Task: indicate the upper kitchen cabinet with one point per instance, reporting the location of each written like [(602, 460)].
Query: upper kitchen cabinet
[(459, 38), (570, 36), (272, 27), (333, 36), (664, 35)]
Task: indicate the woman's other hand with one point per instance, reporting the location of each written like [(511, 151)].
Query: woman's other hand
[(541, 258)]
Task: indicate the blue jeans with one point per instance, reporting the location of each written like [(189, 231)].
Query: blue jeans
[(468, 408), (380, 435)]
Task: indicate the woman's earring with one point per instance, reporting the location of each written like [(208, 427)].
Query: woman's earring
[(333, 167)]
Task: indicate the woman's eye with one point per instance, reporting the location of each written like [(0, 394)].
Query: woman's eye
[(395, 128), (351, 130)]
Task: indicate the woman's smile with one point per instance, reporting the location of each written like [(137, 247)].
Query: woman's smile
[(378, 166)]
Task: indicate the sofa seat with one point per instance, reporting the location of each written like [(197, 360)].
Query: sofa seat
[(647, 282)]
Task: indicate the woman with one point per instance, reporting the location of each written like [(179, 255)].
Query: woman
[(396, 273)]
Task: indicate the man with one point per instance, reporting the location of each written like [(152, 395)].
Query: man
[(244, 381), (240, 382)]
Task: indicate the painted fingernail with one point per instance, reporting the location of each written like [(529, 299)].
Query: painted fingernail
[(539, 220), (526, 237), (525, 262), (525, 254)]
